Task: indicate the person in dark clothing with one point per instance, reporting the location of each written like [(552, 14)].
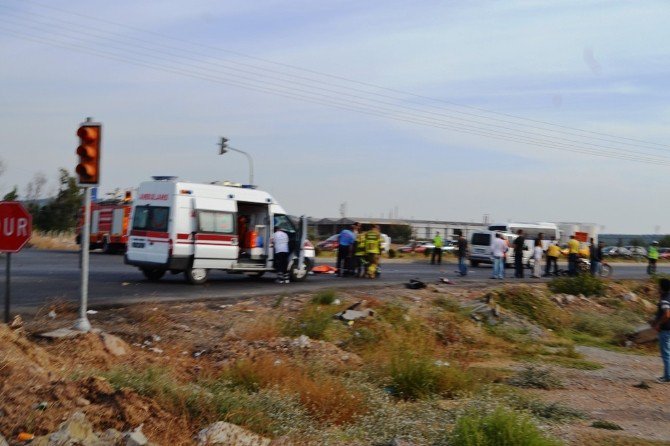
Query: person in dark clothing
[(462, 251), (661, 324), (346, 242), (519, 244), (595, 257)]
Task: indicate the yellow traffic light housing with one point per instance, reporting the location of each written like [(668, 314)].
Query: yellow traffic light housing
[(88, 168)]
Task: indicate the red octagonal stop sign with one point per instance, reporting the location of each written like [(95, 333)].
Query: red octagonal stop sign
[(15, 226)]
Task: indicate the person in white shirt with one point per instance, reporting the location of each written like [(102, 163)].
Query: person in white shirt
[(280, 243), (498, 250), (537, 258)]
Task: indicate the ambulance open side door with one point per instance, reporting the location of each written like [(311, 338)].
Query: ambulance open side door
[(216, 244)]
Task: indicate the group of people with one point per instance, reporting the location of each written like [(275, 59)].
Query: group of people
[(500, 246), (359, 251)]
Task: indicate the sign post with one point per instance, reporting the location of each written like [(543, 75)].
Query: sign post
[(15, 230)]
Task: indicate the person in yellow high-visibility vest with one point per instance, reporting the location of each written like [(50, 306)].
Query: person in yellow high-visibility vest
[(652, 256), (373, 244), (573, 255), (359, 253), (553, 253)]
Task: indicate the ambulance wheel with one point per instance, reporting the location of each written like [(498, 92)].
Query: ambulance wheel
[(474, 263), (196, 276), (153, 274), (298, 275)]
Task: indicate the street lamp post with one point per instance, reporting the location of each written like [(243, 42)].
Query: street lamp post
[(224, 147)]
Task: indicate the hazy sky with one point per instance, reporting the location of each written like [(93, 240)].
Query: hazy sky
[(442, 109)]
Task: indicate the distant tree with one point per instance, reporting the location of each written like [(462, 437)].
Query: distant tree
[(35, 186), (11, 196), (399, 233), (60, 214), (636, 242), (665, 241), (619, 243)]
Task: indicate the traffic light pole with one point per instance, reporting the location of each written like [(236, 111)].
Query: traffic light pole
[(82, 323)]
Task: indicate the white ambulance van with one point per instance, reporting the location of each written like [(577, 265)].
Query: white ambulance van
[(193, 228)]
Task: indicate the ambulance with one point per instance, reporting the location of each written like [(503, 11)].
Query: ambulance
[(193, 228)]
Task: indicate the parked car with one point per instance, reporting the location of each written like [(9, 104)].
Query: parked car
[(415, 246), (637, 250), (664, 253), (616, 251), (332, 243), (329, 244)]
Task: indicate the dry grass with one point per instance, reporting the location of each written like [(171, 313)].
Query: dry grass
[(259, 329), (53, 241), (326, 397)]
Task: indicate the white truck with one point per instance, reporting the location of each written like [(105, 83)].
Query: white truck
[(192, 228)]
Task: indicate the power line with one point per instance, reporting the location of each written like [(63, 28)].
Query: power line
[(325, 99)]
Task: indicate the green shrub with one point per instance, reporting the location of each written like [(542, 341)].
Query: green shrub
[(585, 284), (602, 424), (535, 377), (312, 322), (501, 427), (392, 253), (447, 303), (608, 328), (536, 307), (415, 375), (324, 297)]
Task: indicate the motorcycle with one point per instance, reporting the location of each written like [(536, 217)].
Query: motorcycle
[(584, 267)]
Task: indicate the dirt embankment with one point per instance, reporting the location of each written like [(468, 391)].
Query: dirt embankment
[(284, 367)]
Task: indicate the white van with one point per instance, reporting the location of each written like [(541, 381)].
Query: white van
[(193, 228), (480, 248)]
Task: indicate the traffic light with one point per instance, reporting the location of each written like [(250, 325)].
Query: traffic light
[(223, 145), (88, 168)]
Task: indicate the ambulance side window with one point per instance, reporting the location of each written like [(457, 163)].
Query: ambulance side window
[(216, 222)]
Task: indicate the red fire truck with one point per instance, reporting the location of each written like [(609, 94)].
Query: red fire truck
[(109, 224)]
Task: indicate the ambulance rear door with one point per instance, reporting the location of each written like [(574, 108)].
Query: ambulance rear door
[(216, 240)]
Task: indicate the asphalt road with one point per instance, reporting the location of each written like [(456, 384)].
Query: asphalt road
[(40, 278)]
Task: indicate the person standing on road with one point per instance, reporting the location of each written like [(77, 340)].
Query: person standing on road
[(519, 246), (553, 253), (437, 249), (373, 242), (652, 256), (280, 244), (595, 257), (359, 253), (498, 250), (573, 254), (661, 324), (537, 259), (462, 251), (345, 247)]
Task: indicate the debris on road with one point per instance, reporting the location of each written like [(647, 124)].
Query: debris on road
[(415, 284), (353, 313)]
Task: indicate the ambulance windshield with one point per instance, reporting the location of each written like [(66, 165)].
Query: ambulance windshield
[(151, 218)]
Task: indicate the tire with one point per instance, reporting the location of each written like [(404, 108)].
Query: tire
[(474, 263), (196, 276), (605, 270), (153, 274), (296, 274)]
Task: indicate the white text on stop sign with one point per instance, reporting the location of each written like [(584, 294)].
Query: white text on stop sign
[(12, 226)]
